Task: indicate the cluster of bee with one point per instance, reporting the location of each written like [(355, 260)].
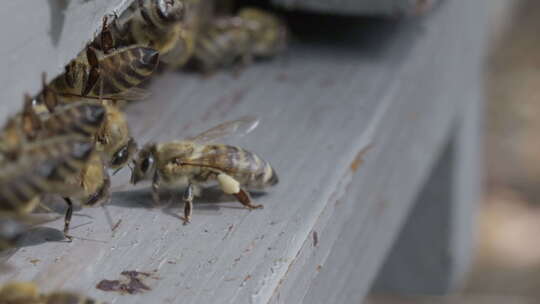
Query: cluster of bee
[(64, 140), (192, 33), (28, 293)]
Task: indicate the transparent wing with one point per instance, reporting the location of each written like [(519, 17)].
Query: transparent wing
[(238, 127), (129, 95)]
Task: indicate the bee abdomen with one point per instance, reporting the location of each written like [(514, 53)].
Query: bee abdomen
[(273, 180), (81, 118), (264, 177), (214, 48), (258, 172), (126, 69)]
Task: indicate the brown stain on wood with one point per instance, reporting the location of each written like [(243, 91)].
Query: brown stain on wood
[(132, 284), (359, 158)]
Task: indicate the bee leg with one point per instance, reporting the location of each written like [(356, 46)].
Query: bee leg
[(107, 41), (231, 186), (67, 218), (102, 194), (188, 203), (243, 197)]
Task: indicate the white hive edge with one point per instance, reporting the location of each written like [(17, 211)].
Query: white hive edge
[(352, 127), (43, 36)]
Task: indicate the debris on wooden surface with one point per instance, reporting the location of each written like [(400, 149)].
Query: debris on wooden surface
[(131, 284)]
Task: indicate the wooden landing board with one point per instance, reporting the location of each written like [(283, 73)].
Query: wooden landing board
[(352, 128)]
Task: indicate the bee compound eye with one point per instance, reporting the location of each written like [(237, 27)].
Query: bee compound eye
[(120, 156)]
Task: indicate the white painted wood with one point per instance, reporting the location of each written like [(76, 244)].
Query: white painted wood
[(394, 89), (432, 252), (361, 7), (350, 261), (42, 36)]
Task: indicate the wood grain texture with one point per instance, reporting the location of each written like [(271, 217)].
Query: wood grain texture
[(42, 36), (361, 7), (352, 128)]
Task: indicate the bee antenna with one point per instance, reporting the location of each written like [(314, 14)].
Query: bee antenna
[(117, 170)]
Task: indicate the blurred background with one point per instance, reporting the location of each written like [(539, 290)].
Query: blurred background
[(508, 257), (507, 262)]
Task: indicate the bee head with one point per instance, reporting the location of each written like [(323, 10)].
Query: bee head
[(171, 10), (122, 156), (144, 165)]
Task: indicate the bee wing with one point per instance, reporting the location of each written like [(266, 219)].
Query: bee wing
[(131, 94), (238, 127)]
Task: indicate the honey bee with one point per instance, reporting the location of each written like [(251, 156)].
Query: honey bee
[(113, 143), (193, 162), (113, 137), (28, 293), (51, 166), (83, 118), (19, 293), (252, 33), (93, 120), (161, 24), (103, 76)]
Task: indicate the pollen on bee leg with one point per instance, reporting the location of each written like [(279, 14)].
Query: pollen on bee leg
[(228, 184)]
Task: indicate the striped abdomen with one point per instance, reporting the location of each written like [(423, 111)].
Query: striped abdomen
[(84, 118), (220, 45), (246, 167), (38, 168), (123, 70)]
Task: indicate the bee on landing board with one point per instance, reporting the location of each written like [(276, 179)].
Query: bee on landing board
[(28, 293), (112, 137), (160, 24), (194, 161), (48, 166), (114, 75), (169, 26), (225, 40), (109, 75)]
